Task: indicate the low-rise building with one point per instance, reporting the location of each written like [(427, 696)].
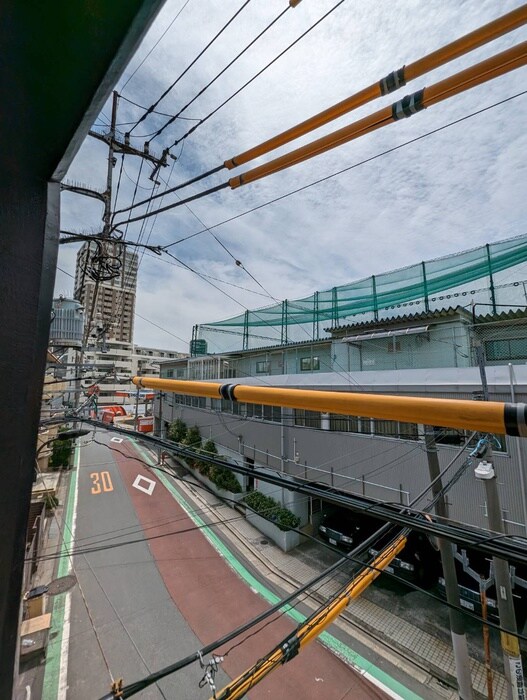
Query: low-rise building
[(423, 343)]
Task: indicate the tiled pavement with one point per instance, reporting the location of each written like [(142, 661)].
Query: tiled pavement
[(410, 641)]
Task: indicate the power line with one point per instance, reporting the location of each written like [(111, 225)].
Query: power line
[(226, 249), (155, 104), (154, 47), (218, 75), (136, 314), (348, 168), (304, 187), (257, 75)]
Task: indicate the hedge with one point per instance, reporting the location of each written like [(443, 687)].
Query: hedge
[(272, 510)]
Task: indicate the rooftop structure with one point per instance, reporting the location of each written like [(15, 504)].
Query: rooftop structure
[(490, 277)]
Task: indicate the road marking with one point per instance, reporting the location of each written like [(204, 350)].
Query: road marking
[(102, 481), (149, 490), (55, 684), (114, 439), (391, 686)]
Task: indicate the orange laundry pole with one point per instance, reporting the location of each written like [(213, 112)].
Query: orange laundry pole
[(482, 72), (484, 416), (312, 627), (445, 54)]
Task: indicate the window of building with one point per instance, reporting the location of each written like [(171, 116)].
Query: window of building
[(170, 373), (272, 413), (394, 345), (309, 364), (262, 367), (254, 410), (512, 349), (307, 419), (344, 424)]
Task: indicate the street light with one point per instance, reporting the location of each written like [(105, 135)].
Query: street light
[(65, 435)]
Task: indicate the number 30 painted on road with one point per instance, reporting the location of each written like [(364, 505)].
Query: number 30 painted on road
[(102, 481)]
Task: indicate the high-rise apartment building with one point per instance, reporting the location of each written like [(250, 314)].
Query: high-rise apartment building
[(113, 309)]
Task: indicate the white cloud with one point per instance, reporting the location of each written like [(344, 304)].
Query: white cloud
[(456, 189)]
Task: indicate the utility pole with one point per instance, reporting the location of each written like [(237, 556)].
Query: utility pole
[(509, 641), (136, 408), (457, 623)]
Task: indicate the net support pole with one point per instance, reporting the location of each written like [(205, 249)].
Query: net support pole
[(491, 280), (425, 287), (374, 295)]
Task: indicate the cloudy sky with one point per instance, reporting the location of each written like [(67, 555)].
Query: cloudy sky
[(449, 191)]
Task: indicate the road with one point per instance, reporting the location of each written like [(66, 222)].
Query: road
[(142, 605)]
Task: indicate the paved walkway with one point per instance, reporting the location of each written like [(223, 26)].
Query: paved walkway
[(421, 647)]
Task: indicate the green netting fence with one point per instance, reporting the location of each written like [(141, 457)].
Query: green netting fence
[(492, 275)]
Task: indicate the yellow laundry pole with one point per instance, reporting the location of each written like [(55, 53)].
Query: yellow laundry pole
[(484, 416)]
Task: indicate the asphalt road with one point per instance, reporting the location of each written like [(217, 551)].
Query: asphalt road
[(142, 605), (122, 614)]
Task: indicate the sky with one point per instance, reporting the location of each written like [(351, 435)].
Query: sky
[(456, 189)]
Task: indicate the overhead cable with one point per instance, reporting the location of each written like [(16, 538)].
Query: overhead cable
[(218, 75), (256, 75), (176, 81), (486, 70), (502, 546), (482, 72), (391, 82), (289, 647), (346, 169), (155, 46)]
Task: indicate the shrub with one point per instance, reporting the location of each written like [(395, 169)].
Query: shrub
[(224, 479), (271, 510), (177, 430), (50, 501), (193, 438), (201, 465)]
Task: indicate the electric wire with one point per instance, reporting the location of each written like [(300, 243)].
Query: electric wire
[(237, 262), (143, 318), (257, 75), (140, 685), (218, 75), (171, 87), (154, 47), (475, 538), (350, 167)]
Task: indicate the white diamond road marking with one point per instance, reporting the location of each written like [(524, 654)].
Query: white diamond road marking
[(116, 439), (149, 490)]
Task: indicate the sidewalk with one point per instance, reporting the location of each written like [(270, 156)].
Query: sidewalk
[(430, 654), (31, 673)]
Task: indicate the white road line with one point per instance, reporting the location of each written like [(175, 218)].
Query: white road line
[(65, 644)]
